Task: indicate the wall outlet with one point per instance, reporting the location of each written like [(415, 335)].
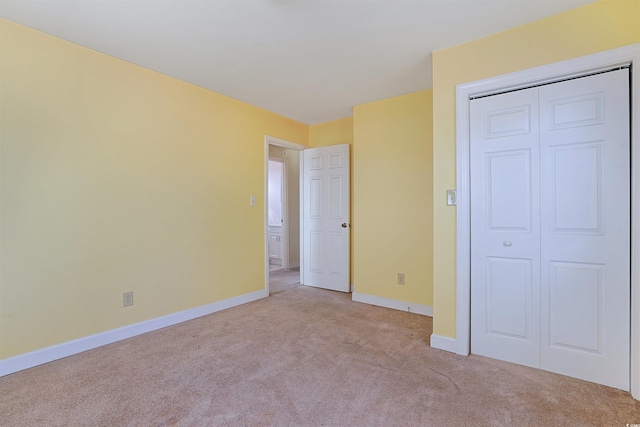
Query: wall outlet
[(127, 299), (400, 278)]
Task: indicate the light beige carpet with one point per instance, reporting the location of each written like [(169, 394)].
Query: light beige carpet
[(302, 357), (283, 280)]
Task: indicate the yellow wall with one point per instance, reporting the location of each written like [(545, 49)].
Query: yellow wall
[(599, 26), (115, 178), (331, 133), (392, 223)]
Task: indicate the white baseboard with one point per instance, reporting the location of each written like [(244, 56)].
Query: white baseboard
[(49, 354), (293, 265), (394, 304), (443, 343)]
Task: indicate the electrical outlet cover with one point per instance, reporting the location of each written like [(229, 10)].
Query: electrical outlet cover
[(127, 299)]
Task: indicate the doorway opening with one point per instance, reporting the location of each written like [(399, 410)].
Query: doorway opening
[(276, 210), (282, 214)]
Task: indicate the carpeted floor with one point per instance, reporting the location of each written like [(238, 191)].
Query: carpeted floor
[(302, 357), (283, 280)]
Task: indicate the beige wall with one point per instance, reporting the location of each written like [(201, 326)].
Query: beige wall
[(115, 178), (393, 201), (600, 26), (293, 204)]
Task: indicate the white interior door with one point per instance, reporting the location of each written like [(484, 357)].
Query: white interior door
[(325, 216), (550, 228), (586, 228), (505, 224)]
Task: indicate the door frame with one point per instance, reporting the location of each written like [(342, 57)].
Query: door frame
[(270, 140), (520, 79)]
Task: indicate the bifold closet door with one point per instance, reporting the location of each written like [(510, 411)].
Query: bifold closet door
[(585, 223), (550, 227), (505, 227)]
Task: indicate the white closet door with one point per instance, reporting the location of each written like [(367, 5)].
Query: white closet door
[(505, 224), (550, 227), (586, 228)]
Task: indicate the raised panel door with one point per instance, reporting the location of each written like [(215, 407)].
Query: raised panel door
[(550, 227), (585, 223), (505, 238), (326, 218)]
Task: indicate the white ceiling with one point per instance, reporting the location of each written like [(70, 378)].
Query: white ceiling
[(309, 60)]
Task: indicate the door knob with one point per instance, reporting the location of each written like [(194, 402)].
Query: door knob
[(344, 225), (507, 243)]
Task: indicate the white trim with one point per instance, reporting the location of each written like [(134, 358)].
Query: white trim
[(270, 140), (285, 213), (443, 343), (301, 221), (394, 304), (572, 67), (49, 354)]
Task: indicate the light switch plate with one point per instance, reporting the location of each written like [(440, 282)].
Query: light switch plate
[(451, 197)]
